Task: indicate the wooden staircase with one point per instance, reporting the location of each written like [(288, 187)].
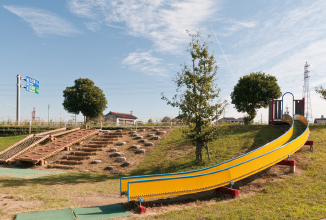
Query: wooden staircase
[(85, 151)]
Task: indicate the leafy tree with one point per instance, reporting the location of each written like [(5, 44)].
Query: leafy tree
[(166, 119), (321, 91), (198, 91), (150, 120), (84, 97), (253, 92)]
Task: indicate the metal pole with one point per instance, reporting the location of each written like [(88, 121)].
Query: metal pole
[(101, 125), (48, 114), (30, 127), (18, 101), (272, 111)]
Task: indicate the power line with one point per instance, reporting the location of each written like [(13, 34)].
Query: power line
[(223, 52), (7, 104)]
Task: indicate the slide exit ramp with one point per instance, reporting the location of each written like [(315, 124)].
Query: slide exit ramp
[(172, 184)]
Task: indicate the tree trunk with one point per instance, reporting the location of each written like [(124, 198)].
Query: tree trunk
[(207, 149), (199, 157)]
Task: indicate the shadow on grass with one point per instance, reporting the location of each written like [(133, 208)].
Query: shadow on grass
[(59, 179), (179, 200), (172, 168), (265, 135)]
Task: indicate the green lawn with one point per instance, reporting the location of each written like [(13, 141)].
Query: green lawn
[(8, 141)]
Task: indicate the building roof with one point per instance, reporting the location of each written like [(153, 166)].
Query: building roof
[(123, 115), (230, 119), (320, 120)]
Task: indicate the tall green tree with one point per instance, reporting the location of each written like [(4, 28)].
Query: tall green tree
[(198, 95), (321, 91), (84, 97), (253, 92)]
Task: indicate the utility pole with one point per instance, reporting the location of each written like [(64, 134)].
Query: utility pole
[(18, 98), (48, 114), (306, 93)]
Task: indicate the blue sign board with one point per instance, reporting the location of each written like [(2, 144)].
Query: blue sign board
[(32, 85)]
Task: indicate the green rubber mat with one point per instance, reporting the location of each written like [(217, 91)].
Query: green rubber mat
[(101, 212), (61, 214), (27, 173)]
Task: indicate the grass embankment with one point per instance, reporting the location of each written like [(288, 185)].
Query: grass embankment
[(297, 197), (175, 154), (8, 141)]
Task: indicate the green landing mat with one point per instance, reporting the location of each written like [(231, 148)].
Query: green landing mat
[(101, 212), (61, 214), (27, 173)]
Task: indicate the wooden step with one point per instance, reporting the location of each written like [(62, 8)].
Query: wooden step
[(82, 153), (90, 149), (76, 157), (114, 134), (95, 145), (109, 137), (69, 161), (99, 142), (60, 166)]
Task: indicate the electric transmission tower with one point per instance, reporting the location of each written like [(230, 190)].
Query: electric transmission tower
[(306, 93)]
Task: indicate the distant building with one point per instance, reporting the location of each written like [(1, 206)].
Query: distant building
[(230, 120), (120, 118), (320, 120), (178, 118)]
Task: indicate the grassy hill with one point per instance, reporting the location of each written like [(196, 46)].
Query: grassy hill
[(8, 141)]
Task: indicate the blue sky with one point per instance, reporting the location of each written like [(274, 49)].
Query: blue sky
[(131, 49)]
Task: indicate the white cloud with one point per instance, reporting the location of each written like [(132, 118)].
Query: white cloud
[(43, 22), (144, 62), (239, 25), (93, 26), (162, 21)]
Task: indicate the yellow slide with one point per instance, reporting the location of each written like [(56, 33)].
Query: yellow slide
[(161, 185)]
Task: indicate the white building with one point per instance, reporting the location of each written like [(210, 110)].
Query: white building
[(120, 118), (230, 120)]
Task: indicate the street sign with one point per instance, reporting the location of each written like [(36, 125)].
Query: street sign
[(32, 85)]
